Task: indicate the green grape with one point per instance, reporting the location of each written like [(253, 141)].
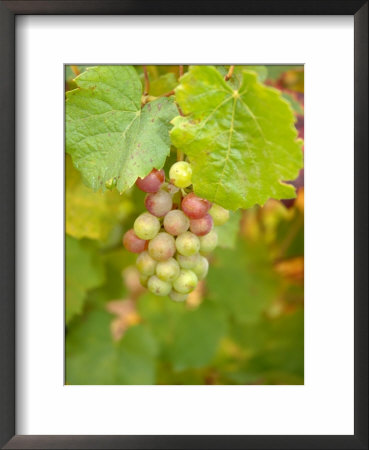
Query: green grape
[(219, 214), (185, 282), (158, 286), (187, 244), (177, 297), (168, 270), (145, 264), (146, 226), (187, 262), (180, 174), (201, 268), (162, 247), (143, 280), (208, 242)]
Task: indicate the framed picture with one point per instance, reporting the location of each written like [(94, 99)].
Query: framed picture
[(183, 265)]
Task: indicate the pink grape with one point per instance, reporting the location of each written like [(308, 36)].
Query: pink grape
[(133, 243), (162, 247), (152, 182), (195, 207), (201, 226), (176, 222), (159, 204)]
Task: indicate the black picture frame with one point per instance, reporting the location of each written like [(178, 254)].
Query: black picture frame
[(8, 12)]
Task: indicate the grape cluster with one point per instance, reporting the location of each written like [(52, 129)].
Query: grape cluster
[(175, 234)]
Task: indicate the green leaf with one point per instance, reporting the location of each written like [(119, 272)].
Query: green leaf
[(276, 349), (89, 214), (242, 281), (84, 271), (93, 358), (108, 135), (234, 81), (197, 337), (241, 143), (163, 84), (227, 233)]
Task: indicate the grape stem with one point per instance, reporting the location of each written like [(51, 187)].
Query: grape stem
[(230, 73), (180, 155), (75, 70)]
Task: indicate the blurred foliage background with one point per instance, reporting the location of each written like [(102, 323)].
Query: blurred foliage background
[(244, 324)]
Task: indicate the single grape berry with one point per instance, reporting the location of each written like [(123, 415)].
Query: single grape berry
[(185, 282), (195, 207), (133, 243), (145, 264), (162, 247), (187, 262), (187, 244), (180, 174), (176, 222), (201, 226), (158, 286), (201, 268), (168, 270), (159, 203), (146, 226), (219, 214), (152, 182), (208, 242), (177, 297)]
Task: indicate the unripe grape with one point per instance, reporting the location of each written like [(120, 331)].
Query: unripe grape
[(143, 280), (201, 226), (201, 268), (185, 282), (145, 264), (152, 182), (180, 174), (162, 247), (177, 297), (168, 270), (159, 203), (195, 207), (208, 242), (187, 244), (158, 286), (146, 226), (133, 243), (176, 222), (187, 262), (219, 214)]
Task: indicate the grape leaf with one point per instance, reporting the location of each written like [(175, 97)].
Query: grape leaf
[(227, 233), (92, 357), (89, 214), (242, 281), (188, 339), (241, 143), (197, 337), (108, 135), (84, 271), (275, 348)]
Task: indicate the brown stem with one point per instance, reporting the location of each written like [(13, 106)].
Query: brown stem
[(179, 155), (168, 94), (75, 70), (180, 71), (230, 73), (147, 81)]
